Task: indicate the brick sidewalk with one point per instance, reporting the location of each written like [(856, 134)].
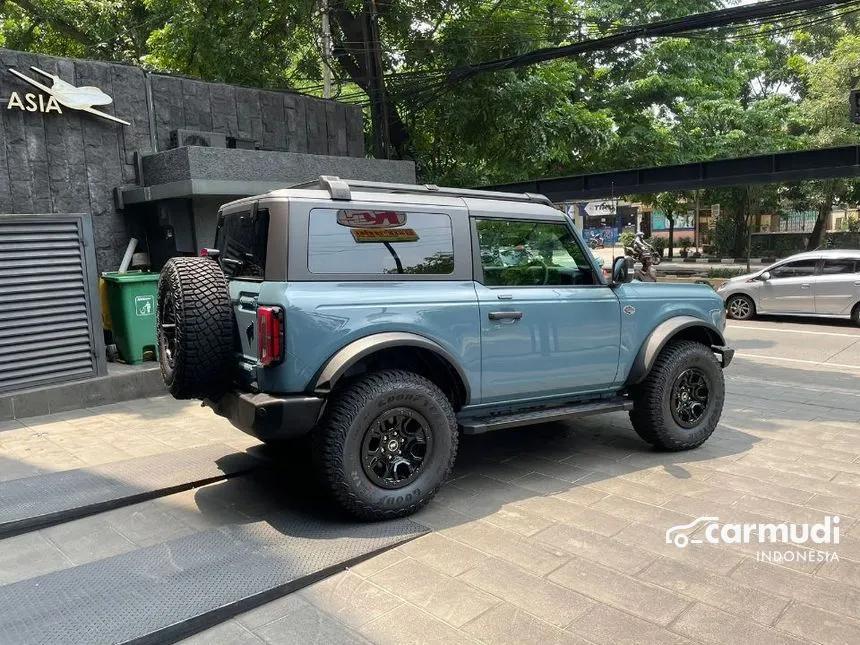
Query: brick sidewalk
[(546, 535)]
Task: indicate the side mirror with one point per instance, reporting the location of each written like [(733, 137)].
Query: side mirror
[(765, 276), (621, 271)]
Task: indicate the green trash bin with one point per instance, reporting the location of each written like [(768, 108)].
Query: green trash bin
[(131, 300)]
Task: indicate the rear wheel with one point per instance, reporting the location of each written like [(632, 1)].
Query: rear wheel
[(386, 444), (195, 328), (740, 307), (679, 404)]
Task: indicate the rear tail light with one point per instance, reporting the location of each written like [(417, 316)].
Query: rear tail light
[(270, 335)]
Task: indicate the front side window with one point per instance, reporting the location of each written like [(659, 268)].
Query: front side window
[(517, 253), (242, 239), (833, 267), (355, 241), (796, 269)]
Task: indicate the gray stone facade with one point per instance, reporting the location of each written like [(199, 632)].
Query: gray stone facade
[(72, 162)]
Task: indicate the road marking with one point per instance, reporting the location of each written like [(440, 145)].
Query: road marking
[(798, 360), (791, 331)]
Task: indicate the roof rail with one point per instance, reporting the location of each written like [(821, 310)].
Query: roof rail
[(341, 189)]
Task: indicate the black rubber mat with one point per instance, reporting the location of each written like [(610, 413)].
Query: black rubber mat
[(166, 592), (34, 502)]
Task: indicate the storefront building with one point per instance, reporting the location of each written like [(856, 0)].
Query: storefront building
[(94, 154)]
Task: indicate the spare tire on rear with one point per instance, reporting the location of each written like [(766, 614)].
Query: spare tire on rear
[(195, 328)]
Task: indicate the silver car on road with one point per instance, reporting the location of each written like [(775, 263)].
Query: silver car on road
[(817, 283)]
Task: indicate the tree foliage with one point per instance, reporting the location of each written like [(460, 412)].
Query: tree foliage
[(647, 102)]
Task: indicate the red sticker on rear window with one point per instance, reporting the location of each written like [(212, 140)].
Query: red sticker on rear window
[(370, 219)]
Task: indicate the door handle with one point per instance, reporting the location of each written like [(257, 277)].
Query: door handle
[(805, 286), (505, 315), (857, 284)]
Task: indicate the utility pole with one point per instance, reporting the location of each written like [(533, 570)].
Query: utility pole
[(696, 223), (372, 85), (854, 97), (375, 62), (326, 45)]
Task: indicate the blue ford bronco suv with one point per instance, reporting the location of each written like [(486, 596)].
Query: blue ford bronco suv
[(381, 320)]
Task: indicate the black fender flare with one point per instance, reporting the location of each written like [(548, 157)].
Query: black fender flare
[(350, 354), (666, 331)]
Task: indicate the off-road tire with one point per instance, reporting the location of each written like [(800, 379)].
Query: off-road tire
[(199, 365), (734, 316), (339, 436), (652, 415)]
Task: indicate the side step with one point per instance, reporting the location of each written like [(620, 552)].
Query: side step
[(480, 425)]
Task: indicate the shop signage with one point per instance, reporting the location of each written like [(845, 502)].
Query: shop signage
[(600, 209), (60, 93)]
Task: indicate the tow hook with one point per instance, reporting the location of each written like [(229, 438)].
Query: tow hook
[(726, 353)]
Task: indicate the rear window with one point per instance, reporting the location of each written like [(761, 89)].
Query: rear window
[(841, 266), (355, 241), (242, 239)]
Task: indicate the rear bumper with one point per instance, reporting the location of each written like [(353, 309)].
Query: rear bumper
[(269, 417), (726, 353)]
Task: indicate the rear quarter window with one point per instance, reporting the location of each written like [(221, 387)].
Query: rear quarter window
[(356, 241), (242, 239)]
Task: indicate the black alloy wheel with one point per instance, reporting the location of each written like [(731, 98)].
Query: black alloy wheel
[(690, 397), (395, 448)]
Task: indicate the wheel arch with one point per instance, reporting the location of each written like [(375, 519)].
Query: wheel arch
[(396, 349), (677, 328)]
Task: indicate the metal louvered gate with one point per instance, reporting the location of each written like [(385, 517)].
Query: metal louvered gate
[(47, 301)]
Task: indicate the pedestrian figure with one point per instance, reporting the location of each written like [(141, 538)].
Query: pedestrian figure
[(647, 273)]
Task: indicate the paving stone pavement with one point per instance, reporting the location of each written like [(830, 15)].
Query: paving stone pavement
[(550, 534)]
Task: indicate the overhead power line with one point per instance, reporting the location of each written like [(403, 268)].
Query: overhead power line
[(662, 28)]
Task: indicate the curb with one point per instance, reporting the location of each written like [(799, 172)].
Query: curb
[(118, 386), (762, 261)]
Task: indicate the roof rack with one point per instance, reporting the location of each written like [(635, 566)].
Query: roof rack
[(341, 189)]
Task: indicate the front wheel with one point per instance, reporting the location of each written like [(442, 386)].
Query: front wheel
[(740, 307), (679, 404), (656, 258), (386, 444), (855, 314)]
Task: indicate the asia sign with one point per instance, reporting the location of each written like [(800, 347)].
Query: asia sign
[(60, 93)]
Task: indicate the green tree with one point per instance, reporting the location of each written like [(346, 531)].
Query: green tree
[(828, 122), (671, 204)]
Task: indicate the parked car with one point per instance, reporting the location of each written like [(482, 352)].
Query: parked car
[(818, 283), (381, 320)]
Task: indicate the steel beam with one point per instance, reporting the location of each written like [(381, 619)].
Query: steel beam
[(825, 163)]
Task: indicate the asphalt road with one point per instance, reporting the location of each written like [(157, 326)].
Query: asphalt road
[(810, 362)]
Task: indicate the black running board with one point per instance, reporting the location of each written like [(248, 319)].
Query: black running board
[(480, 425)]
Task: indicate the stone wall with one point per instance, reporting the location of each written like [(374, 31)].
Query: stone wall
[(71, 162)]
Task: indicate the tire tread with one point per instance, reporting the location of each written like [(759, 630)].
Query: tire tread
[(343, 407), (204, 327), (648, 417)]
